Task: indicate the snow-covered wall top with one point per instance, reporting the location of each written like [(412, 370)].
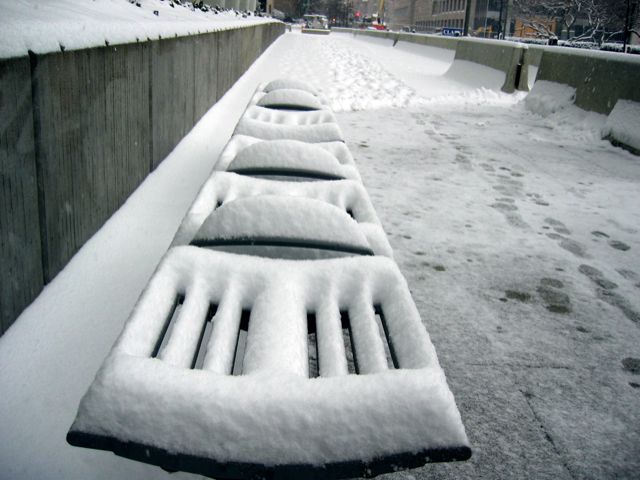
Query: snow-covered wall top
[(52, 25)]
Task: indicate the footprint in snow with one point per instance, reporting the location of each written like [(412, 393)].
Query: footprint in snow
[(631, 365), (555, 300), (618, 245), (604, 291)]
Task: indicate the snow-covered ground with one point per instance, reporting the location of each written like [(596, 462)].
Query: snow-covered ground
[(517, 234), (51, 25)]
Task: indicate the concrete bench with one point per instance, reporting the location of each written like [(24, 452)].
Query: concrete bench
[(238, 362), (215, 372)]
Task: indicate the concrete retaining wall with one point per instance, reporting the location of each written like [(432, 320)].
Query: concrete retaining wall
[(80, 130), (503, 56), (450, 43), (600, 78)]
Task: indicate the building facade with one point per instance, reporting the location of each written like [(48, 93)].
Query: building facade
[(428, 16)]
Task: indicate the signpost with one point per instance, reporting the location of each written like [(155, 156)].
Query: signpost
[(452, 32)]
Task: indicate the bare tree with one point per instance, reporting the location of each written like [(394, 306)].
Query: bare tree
[(600, 19)]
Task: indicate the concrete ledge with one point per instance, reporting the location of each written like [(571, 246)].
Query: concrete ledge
[(81, 129)]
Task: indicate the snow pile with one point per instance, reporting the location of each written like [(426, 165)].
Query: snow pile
[(272, 413), (302, 159), (623, 124), (290, 99), (547, 97), (280, 217), (51, 25)]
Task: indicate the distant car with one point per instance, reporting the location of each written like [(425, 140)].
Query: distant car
[(316, 24)]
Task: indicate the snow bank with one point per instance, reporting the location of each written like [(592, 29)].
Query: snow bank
[(299, 158), (290, 99), (623, 124), (347, 195), (547, 97), (272, 413), (46, 26)]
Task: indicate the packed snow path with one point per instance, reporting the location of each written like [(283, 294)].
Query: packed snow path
[(518, 235)]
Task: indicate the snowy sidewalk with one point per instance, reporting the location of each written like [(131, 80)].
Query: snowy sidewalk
[(518, 236), (519, 241)]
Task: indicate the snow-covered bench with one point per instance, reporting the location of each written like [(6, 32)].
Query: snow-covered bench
[(236, 364), (351, 221), (237, 367)]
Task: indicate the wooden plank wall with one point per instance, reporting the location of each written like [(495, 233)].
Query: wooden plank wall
[(80, 130)]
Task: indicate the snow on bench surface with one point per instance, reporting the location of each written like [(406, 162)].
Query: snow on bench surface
[(287, 83), (290, 157), (291, 118), (296, 90), (268, 124), (312, 133), (347, 195), (289, 99), (336, 148), (282, 219), (273, 413)]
